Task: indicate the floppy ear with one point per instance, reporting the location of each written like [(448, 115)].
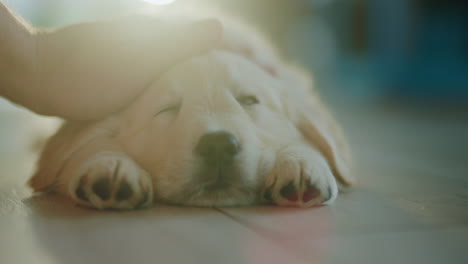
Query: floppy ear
[(316, 124), (61, 147), (53, 157)]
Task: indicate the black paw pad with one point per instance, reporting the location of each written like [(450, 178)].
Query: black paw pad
[(268, 196), (102, 188), (310, 193), (80, 192), (290, 192), (124, 192)]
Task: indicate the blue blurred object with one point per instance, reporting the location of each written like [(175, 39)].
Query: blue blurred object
[(403, 48)]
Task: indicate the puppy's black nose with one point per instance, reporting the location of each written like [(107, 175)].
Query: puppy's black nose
[(217, 145)]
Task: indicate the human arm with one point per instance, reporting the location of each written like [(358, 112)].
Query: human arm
[(89, 70)]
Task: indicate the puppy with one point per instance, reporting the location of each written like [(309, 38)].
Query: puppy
[(233, 127)]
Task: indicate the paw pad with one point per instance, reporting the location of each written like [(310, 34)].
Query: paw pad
[(294, 193), (290, 192), (80, 192), (102, 188), (299, 184), (114, 183), (124, 192), (310, 193)]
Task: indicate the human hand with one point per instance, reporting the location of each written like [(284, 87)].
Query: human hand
[(90, 70)]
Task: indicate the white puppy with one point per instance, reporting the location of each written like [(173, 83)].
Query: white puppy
[(235, 126)]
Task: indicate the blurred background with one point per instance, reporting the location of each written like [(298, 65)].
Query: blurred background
[(408, 51)]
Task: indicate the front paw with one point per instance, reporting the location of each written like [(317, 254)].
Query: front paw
[(300, 178), (114, 182)]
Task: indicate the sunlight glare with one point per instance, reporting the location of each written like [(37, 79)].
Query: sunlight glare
[(160, 2)]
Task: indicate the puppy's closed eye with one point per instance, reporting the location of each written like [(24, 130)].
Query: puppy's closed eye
[(169, 109), (248, 100)]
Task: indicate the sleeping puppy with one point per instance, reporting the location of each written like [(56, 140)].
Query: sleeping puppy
[(235, 126)]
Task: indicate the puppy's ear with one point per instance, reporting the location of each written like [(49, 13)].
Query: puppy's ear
[(53, 157), (316, 125), (320, 129), (64, 146)]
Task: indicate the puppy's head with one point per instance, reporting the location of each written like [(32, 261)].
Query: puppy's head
[(204, 129), (207, 130)]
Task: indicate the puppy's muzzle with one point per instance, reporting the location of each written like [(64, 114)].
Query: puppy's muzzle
[(217, 147), (217, 151)]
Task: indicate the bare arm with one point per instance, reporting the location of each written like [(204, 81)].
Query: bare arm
[(89, 70)]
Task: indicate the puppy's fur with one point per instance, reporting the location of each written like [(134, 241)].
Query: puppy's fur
[(290, 150)]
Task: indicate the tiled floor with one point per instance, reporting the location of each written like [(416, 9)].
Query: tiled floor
[(411, 207)]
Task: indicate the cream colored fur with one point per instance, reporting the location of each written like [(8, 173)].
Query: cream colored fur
[(288, 138)]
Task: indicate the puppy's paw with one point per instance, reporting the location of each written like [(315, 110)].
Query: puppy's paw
[(300, 178), (112, 182)]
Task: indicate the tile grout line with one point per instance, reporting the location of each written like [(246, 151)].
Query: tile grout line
[(265, 234)]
